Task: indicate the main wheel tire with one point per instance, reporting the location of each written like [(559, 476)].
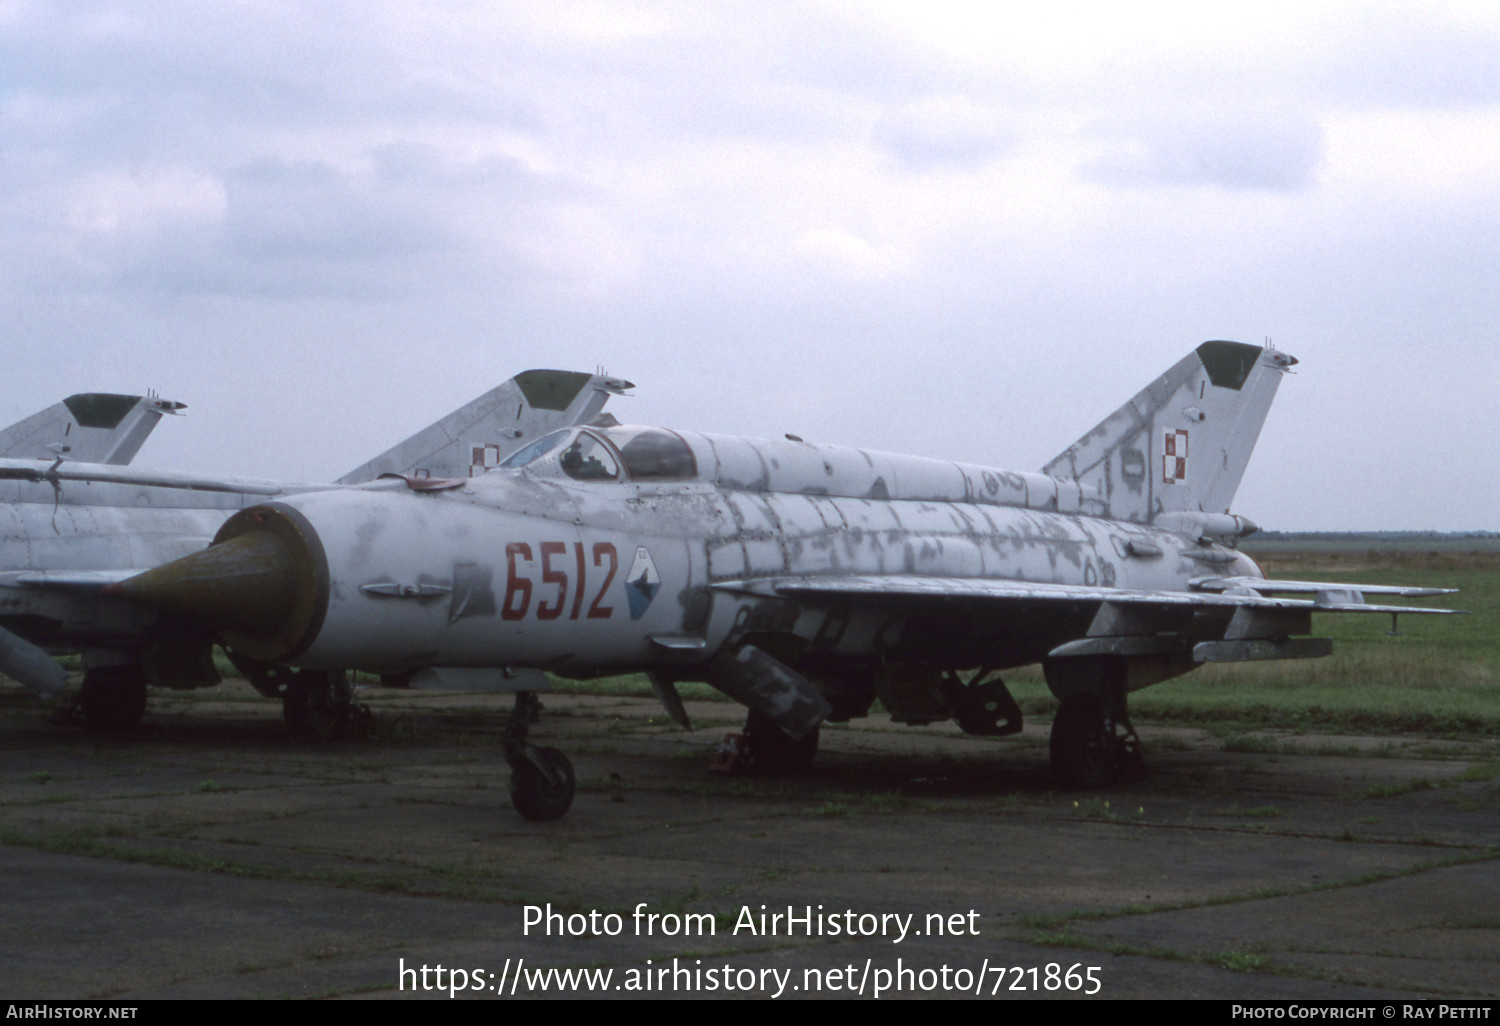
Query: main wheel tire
[(773, 750), (113, 698), (1083, 748), (536, 797)]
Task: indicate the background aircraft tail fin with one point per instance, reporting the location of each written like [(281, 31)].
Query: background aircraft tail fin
[(91, 427), (1182, 444), (479, 435)]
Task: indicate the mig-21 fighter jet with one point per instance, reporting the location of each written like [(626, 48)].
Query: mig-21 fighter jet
[(74, 518), (805, 581)]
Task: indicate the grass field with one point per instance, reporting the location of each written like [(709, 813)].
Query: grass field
[(1440, 676)]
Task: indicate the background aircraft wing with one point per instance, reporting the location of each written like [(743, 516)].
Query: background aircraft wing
[(31, 470), (67, 580)]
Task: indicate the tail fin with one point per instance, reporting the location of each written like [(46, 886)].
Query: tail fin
[(1181, 445), (91, 427), (479, 435)]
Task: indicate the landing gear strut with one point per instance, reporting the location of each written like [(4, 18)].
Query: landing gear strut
[(774, 751), (541, 779), (1093, 744), (319, 704), (113, 698)]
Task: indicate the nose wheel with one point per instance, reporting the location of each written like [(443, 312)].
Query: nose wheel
[(541, 779)]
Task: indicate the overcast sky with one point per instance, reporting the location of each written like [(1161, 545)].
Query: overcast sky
[(915, 226)]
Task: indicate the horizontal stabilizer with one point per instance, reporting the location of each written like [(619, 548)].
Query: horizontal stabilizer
[(477, 436)]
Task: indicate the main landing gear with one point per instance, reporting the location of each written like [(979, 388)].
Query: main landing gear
[(541, 779), (1093, 744), (319, 704), (112, 699), (774, 751), (315, 704)]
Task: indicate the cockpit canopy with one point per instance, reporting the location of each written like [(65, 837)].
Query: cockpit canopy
[(597, 454)]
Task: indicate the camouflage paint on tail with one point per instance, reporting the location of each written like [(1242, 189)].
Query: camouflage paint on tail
[(91, 427), (476, 437), (1182, 444)]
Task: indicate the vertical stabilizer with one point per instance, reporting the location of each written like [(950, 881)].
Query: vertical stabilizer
[(478, 436), (91, 427), (1182, 444)]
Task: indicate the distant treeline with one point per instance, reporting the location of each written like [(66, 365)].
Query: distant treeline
[(1368, 537)]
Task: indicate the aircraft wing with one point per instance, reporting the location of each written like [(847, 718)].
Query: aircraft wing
[(33, 470), (1122, 622), (1225, 584), (66, 580), (911, 590)]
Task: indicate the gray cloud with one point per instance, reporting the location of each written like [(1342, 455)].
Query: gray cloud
[(1236, 152), (942, 130), (789, 216)]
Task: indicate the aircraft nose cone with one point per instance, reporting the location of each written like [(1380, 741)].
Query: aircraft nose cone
[(261, 587)]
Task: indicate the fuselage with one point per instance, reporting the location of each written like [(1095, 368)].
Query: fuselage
[(651, 549)]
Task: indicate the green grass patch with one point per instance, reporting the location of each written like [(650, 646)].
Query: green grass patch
[(1441, 676), (1392, 790), (1257, 812), (1244, 961)]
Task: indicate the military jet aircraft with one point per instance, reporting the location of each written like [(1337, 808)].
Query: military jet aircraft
[(803, 580), (73, 519)]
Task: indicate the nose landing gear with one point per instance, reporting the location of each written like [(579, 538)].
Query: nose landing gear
[(541, 779)]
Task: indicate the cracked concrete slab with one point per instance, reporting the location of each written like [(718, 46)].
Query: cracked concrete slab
[(207, 856)]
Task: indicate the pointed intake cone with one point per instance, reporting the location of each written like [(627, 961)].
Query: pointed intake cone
[(261, 587), (243, 584)]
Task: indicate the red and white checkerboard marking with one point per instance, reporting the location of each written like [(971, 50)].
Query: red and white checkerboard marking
[(1174, 453), (484, 457)]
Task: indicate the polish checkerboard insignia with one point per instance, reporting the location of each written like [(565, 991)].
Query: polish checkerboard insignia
[(642, 583), (483, 457), (1174, 454)]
